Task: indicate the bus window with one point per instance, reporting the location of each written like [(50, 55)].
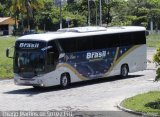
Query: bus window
[(105, 41), (52, 56), (126, 39), (84, 43), (29, 62), (113, 40), (68, 45), (139, 37), (99, 42)]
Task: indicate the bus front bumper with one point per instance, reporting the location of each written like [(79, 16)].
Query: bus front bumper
[(30, 82)]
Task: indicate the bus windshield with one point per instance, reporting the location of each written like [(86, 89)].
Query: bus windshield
[(29, 61)]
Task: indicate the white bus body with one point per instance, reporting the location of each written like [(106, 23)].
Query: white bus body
[(79, 54)]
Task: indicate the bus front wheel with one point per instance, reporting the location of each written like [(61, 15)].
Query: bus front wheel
[(65, 80), (124, 71)]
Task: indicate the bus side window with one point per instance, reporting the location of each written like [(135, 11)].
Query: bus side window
[(139, 37), (52, 55), (112, 40), (84, 44), (126, 39), (68, 45), (100, 42)]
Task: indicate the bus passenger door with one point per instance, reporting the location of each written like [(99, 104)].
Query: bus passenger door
[(52, 56)]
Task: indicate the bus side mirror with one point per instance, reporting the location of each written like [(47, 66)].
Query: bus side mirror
[(8, 52)]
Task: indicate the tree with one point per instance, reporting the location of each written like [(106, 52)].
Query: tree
[(154, 14), (115, 12), (77, 12), (21, 7), (138, 9), (118, 11)]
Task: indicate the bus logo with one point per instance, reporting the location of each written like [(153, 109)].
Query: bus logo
[(28, 45), (96, 55)]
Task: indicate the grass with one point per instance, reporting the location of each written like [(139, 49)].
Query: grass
[(147, 103), (153, 40), (6, 65)]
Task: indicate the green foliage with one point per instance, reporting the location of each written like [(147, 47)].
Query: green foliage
[(45, 14), (154, 14), (24, 10), (48, 17), (156, 59)]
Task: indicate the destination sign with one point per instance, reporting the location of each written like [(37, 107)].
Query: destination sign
[(30, 45)]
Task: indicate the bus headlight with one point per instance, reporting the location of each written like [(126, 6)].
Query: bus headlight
[(40, 82), (42, 85)]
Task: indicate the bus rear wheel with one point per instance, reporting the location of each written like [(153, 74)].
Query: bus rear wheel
[(124, 71), (65, 80)]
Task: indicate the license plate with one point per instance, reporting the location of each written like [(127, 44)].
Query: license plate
[(27, 82)]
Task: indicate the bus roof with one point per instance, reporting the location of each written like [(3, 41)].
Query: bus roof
[(80, 32)]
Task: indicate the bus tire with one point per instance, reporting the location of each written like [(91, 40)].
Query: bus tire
[(124, 71), (65, 80)]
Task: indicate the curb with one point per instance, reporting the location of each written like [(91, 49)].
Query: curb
[(134, 112)]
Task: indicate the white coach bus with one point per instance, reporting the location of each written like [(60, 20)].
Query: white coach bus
[(78, 54)]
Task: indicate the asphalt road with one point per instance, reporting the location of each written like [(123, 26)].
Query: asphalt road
[(98, 95)]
